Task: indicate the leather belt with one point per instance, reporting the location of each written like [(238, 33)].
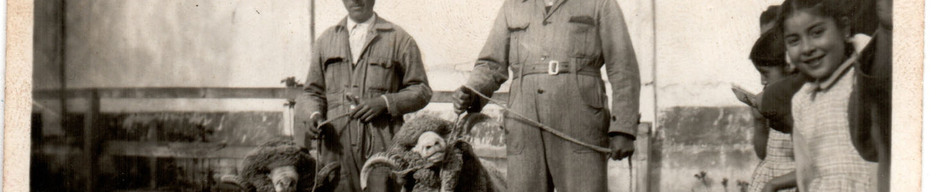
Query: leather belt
[(554, 68)]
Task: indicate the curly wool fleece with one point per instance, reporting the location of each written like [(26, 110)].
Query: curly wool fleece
[(277, 153)]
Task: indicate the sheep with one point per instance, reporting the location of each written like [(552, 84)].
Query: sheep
[(282, 166), (429, 155)]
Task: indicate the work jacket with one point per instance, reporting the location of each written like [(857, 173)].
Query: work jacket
[(390, 66)]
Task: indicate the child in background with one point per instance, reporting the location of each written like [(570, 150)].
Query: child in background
[(776, 169), (818, 39)]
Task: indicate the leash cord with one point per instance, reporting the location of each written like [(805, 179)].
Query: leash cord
[(540, 125)]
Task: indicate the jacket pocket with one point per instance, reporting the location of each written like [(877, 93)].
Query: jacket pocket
[(515, 142), (333, 83), (518, 28), (379, 74), (592, 91), (583, 37)]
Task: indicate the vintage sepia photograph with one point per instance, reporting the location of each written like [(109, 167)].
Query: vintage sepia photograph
[(463, 95)]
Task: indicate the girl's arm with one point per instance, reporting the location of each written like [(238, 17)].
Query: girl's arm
[(761, 131), (761, 134), (782, 182)]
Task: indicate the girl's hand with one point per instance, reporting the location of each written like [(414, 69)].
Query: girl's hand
[(748, 98), (782, 182)]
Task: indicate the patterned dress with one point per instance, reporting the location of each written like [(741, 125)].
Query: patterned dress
[(826, 160), (778, 161)]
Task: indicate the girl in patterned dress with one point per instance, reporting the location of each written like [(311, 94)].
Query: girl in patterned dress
[(775, 172), (818, 38)]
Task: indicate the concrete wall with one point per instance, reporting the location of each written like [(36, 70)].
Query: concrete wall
[(701, 51), (186, 43)]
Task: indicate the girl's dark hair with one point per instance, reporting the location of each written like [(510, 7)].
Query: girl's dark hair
[(769, 50), (837, 9), (769, 15)]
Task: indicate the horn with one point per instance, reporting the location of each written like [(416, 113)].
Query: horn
[(467, 122), (379, 159), (326, 175)]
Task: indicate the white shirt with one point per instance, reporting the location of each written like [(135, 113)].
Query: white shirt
[(357, 36)]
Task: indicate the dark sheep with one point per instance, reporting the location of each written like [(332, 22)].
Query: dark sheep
[(282, 166), (430, 155)]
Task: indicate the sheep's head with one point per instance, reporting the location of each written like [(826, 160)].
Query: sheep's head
[(284, 178), (430, 146), (279, 165)]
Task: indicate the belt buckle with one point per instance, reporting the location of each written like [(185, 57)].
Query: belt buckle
[(553, 67)]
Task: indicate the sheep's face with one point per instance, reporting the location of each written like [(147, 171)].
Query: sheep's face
[(430, 146), (284, 178)]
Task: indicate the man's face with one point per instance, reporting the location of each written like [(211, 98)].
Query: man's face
[(359, 10), (815, 44)]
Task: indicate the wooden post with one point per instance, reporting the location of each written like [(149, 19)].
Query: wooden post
[(89, 141), (152, 161), (641, 162)]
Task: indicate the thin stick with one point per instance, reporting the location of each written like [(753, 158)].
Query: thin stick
[(328, 121), (540, 125)]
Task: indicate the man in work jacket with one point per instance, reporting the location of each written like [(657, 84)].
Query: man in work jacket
[(555, 52), (371, 70)]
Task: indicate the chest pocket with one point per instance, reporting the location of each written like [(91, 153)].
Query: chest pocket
[(332, 76), (381, 74), (517, 27), (583, 38)]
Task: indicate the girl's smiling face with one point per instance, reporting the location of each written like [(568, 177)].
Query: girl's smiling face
[(815, 44)]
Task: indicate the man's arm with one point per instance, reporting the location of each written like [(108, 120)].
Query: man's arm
[(491, 69), (415, 93), (312, 103), (315, 85), (622, 70)]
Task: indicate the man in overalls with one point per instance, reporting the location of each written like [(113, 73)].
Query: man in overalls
[(371, 70), (555, 50)]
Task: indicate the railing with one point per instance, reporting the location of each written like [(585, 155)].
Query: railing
[(157, 149)]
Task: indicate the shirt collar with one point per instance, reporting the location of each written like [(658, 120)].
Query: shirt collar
[(837, 74), (367, 24)]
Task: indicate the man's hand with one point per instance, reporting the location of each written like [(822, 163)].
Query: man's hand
[(621, 146), (370, 109), (462, 99), (315, 119)]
